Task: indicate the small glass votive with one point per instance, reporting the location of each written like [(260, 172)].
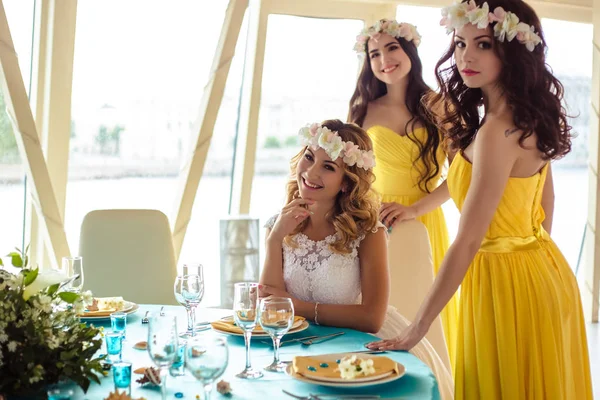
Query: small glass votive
[(60, 392), (118, 322), (122, 376), (114, 345)]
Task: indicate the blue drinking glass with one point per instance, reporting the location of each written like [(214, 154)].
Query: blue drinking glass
[(122, 376), (114, 345), (118, 322)]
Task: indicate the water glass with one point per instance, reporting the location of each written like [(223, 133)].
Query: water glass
[(276, 316), (118, 322), (72, 266), (122, 376), (189, 290), (245, 303), (206, 358), (163, 345), (114, 346)]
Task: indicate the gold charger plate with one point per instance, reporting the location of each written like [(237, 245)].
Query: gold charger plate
[(298, 326), (130, 308)]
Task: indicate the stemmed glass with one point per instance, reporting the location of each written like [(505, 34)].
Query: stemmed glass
[(71, 267), (276, 316), (245, 302), (206, 358), (162, 345), (189, 290)]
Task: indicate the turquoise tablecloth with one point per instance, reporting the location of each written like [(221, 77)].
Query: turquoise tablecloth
[(418, 383)]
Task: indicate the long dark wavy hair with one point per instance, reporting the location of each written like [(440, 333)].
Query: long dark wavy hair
[(369, 88), (532, 92)]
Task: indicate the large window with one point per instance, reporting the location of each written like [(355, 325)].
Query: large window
[(20, 15), (136, 98), (570, 173), (307, 78)]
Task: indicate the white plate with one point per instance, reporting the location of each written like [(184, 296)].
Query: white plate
[(261, 335), (130, 308), (339, 382)]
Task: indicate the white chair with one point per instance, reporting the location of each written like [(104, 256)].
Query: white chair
[(128, 253), (411, 270)]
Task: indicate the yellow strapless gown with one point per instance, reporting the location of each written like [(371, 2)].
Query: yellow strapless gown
[(522, 331), (397, 181)]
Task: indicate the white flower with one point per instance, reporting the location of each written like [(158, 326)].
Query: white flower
[(44, 280), (3, 337), (351, 153), (331, 142), (12, 346), (527, 36), (507, 28), (480, 16)]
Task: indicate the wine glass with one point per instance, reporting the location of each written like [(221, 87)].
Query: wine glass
[(276, 316), (73, 266), (245, 302), (162, 345), (206, 359), (189, 290)]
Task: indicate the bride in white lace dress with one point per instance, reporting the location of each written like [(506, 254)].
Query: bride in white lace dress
[(327, 249)]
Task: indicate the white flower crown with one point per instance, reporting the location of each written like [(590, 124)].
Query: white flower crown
[(507, 23), (315, 136), (392, 28)]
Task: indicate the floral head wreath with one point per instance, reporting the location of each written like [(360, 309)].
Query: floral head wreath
[(390, 27), (507, 24), (315, 136)]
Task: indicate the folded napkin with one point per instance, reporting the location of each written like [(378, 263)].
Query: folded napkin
[(229, 325), (327, 366)]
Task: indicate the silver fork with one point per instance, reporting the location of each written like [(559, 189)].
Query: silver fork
[(321, 338), (162, 313), (145, 319)]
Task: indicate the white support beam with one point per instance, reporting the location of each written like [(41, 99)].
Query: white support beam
[(245, 157), (19, 111), (211, 101), (51, 101), (341, 9)]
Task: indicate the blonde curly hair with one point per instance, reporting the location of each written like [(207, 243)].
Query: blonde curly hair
[(356, 209)]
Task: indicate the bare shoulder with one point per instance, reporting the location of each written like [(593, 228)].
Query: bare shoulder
[(374, 239), (498, 133)]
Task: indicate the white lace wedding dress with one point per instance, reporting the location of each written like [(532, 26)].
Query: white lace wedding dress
[(314, 273)]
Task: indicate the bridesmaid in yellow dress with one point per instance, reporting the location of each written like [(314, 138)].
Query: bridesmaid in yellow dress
[(387, 103), (521, 332)]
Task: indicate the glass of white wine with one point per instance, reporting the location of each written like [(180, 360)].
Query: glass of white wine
[(276, 316), (245, 304)]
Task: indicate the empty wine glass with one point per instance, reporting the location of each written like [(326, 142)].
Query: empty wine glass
[(73, 266), (245, 302), (206, 359), (189, 290), (276, 316), (162, 345)]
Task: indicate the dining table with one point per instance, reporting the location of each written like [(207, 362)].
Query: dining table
[(418, 382)]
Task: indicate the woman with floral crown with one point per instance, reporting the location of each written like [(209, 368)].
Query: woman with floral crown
[(388, 103), (521, 331), (326, 249)]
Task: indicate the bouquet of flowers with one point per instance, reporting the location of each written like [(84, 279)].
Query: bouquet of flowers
[(42, 340)]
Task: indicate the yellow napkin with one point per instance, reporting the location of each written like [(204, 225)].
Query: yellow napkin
[(382, 365), (229, 325)]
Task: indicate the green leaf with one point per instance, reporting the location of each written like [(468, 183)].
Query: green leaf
[(1, 263), (69, 297), (16, 259), (30, 277), (52, 289)]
